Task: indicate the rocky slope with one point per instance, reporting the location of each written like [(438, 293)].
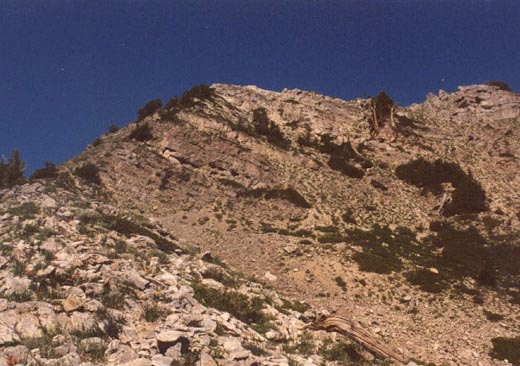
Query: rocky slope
[(412, 232), (83, 283)]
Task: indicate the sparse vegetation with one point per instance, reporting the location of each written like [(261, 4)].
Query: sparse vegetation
[(44, 343), (141, 132), (255, 349), (89, 173), (12, 170), (48, 172), (248, 310), (265, 127), (304, 345), (96, 142), (190, 98), (26, 211), (149, 108), (500, 85), (113, 129), (152, 312)]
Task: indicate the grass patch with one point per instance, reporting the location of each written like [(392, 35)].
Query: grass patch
[(43, 343), (242, 307), (304, 345), (151, 312), (26, 211), (220, 276), (255, 349)]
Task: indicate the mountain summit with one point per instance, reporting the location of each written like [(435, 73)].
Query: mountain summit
[(240, 226)]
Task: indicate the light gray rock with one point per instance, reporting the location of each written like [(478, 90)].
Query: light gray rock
[(160, 360), (122, 355), (135, 279), (8, 320), (72, 303), (28, 327), (81, 322), (211, 283), (138, 362)]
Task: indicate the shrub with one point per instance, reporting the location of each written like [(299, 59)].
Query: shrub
[(305, 345), (499, 84), (141, 133), (151, 312), (12, 170), (26, 210), (189, 98), (345, 354), (47, 172), (96, 142), (201, 91), (113, 129), (248, 310), (89, 173), (149, 108), (265, 127)]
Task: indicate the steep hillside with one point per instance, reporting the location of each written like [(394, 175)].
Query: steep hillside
[(409, 226)]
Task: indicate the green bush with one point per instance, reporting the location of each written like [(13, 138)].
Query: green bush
[(89, 173), (141, 132), (151, 312), (201, 91), (149, 108), (265, 127), (26, 211), (189, 98), (248, 310), (113, 129), (48, 172), (96, 142), (12, 170), (499, 84)]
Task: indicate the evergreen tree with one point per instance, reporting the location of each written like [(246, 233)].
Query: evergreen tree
[(11, 171)]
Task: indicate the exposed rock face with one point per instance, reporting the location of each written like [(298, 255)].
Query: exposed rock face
[(413, 233)]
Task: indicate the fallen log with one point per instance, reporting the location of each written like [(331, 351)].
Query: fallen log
[(350, 329)]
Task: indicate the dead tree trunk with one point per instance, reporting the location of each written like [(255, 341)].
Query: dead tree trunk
[(375, 124), (350, 329)]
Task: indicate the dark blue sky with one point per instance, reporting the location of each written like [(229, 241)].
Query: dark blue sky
[(69, 69)]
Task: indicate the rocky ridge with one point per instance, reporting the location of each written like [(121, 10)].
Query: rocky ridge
[(412, 232)]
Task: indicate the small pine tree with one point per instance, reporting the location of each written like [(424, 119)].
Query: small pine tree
[(113, 129), (49, 171), (12, 170), (149, 108), (141, 133)]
